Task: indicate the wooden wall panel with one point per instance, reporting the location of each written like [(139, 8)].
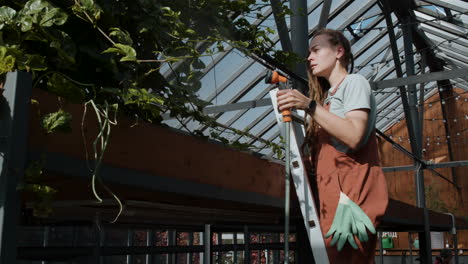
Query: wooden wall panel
[(440, 195)]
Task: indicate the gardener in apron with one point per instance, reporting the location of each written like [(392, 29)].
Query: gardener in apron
[(341, 138)]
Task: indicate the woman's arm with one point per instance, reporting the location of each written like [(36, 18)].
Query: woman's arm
[(349, 130)]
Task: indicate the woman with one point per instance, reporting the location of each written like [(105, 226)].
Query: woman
[(341, 137)]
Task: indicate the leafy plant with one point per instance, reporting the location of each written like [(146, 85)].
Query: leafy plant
[(44, 194), (58, 121), (112, 53)]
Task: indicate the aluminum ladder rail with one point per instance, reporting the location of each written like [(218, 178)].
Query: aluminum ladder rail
[(303, 190)]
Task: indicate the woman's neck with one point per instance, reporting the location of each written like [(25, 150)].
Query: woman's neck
[(336, 76)]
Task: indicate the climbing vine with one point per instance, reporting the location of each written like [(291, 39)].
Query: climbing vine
[(110, 55)]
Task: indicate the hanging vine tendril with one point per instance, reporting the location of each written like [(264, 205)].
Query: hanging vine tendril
[(100, 145)]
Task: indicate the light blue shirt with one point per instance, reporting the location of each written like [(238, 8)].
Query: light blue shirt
[(353, 93)]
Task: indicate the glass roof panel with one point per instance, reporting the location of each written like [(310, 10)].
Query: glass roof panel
[(233, 77)]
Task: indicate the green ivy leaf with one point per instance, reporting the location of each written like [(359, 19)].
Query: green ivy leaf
[(141, 96), (65, 46), (121, 36), (90, 7), (35, 6), (53, 16), (41, 13), (30, 14), (6, 16), (128, 52), (65, 88), (36, 62), (7, 62), (59, 121), (26, 23)]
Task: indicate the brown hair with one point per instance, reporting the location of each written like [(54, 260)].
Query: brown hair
[(318, 86)]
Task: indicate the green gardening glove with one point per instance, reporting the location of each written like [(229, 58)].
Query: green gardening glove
[(349, 220)]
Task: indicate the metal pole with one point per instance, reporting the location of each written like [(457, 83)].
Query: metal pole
[(171, 241), (380, 248), (190, 255), (421, 100), (130, 234), (149, 243), (207, 244), (218, 254), (412, 94), (455, 237), (235, 247), (14, 119), (98, 230), (299, 39), (246, 244), (281, 25), (399, 72), (410, 247), (424, 238), (324, 14), (276, 253), (45, 239), (286, 193)]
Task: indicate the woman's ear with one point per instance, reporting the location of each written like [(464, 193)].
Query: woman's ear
[(339, 52)]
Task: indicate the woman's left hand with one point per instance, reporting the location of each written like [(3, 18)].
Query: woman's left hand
[(292, 98)]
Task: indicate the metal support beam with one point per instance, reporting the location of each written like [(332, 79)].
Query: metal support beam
[(219, 255), (411, 118), (410, 242), (237, 106), (450, 164), (396, 58), (415, 137), (45, 239), (171, 241), (421, 99), (207, 244), (99, 239), (427, 77), (381, 258), (246, 244), (448, 4), (400, 81), (412, 94), (324, 14), (14, 119), (404, 9), (234, 236), (448, 109), (299, 39), (454, 237), (130, 234), (281, 25), (149, 243)]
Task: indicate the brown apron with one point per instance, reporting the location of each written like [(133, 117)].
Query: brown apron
[(360, 177)]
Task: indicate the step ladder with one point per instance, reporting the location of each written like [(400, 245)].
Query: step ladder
[(294, 132)]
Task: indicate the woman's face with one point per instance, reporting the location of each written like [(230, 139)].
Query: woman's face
[(323, 57)]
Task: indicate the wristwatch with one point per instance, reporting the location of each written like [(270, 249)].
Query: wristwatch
[(312, 106)]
